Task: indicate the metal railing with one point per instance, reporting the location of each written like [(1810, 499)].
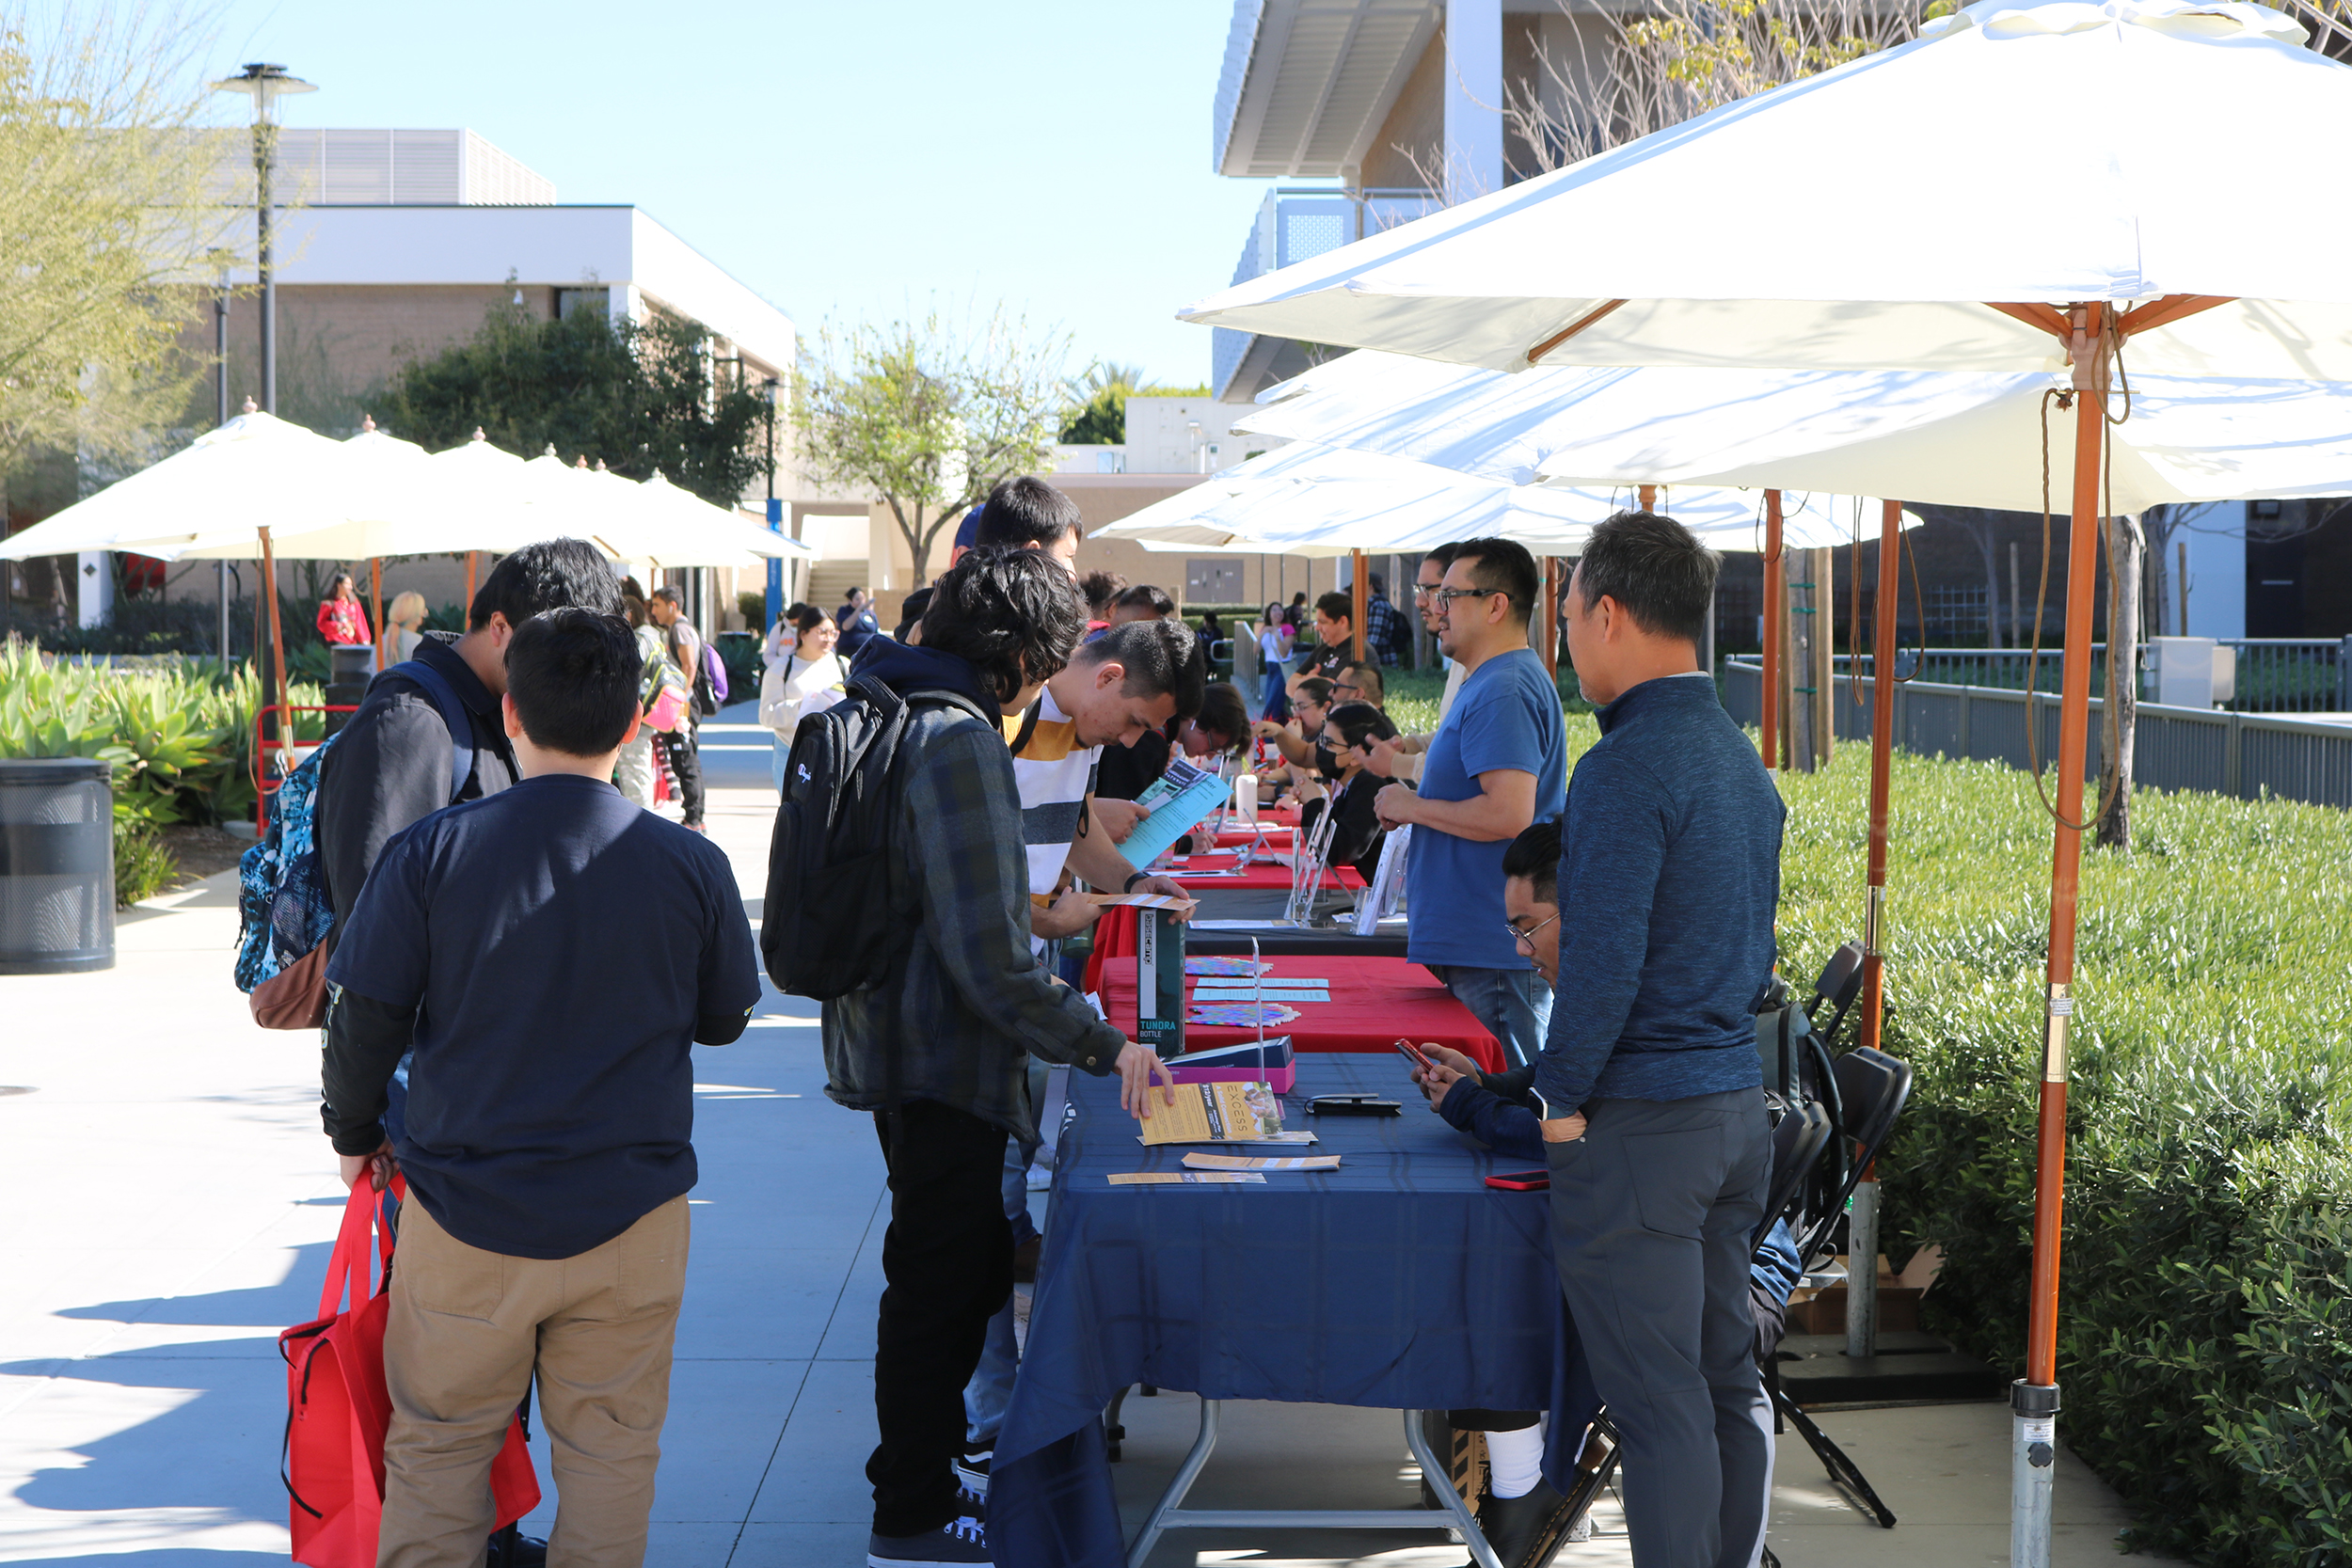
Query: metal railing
[(2241, 755), (2275, 675)]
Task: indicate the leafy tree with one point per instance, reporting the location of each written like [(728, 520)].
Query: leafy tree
[(109, 209), (1099, 416), (636, 396), (928, 417)]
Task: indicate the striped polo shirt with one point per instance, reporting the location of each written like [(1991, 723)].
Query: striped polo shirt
[(1054, 773)]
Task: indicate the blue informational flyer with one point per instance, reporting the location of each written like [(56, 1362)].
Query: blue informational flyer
[(1180, 801)]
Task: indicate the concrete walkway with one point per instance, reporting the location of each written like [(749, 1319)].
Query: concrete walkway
[(168, 1202)]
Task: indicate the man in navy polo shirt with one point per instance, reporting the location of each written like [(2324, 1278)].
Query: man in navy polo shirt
[(551, 953)]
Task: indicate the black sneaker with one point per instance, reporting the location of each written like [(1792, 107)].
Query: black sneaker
[(1524, 1531), (957, 1545)]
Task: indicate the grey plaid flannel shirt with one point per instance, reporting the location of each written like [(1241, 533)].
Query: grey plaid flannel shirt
[(967, 1003)]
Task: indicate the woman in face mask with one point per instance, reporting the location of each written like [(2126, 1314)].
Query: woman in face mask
[(1342, 751)]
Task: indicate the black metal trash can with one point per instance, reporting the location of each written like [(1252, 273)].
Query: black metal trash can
[(350, 667), (56, 866)]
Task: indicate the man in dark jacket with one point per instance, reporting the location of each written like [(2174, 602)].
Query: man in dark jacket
[(948, 1033), (1651, 1094)]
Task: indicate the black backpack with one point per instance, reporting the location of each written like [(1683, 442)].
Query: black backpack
[(831, 921)]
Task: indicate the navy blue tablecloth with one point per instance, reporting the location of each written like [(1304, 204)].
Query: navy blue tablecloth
[(1398, 1281)]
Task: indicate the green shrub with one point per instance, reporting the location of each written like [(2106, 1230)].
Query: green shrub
[(2205, 1335), (178, 731), (143, 866)]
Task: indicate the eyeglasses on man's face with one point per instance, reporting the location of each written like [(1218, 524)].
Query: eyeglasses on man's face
[(1447, 595), (1527, 938)]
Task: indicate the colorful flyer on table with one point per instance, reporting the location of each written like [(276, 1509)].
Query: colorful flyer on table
[(1198, 1161), (1216, 1114), (1172, 1178)]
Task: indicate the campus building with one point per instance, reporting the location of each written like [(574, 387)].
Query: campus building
[(392, 245)]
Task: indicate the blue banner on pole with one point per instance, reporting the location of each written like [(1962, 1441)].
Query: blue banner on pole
[(775, 568)]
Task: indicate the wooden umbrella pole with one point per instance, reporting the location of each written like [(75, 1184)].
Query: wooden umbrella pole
[(2066, 790), (1548, 644), (375, 591), (277, 648), (1881, 761), (1362, 608), (471, 557), (1774, 575), (1648, 493)]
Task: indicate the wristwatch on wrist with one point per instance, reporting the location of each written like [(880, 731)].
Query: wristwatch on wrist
[(1543, 1106)]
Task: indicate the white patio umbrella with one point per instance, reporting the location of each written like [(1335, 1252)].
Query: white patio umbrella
[(2099, 199), (1954, 439), (254, 471), (674, 528), (1315, 500)]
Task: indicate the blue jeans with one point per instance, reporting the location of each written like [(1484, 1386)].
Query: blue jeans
[(989, 1394), (1274, 700), (1514, 1004)]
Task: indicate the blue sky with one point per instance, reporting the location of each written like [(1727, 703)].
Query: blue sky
[(849, 159)]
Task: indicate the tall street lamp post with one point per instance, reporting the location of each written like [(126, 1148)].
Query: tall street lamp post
[(266, 84)]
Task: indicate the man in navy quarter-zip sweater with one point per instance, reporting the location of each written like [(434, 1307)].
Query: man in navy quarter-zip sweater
[(1648, 1083)]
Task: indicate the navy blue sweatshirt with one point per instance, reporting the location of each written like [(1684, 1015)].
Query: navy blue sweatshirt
[(1669, 875)]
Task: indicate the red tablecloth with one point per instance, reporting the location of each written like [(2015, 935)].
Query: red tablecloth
[(1278, 835), (1373, 1001), (1343, 878)]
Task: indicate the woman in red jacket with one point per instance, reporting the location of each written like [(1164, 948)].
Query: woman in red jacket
[(342, 618)]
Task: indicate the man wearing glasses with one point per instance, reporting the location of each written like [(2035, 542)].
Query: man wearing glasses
[(1497, 763)]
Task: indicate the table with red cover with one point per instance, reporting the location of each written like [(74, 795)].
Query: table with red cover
[(1258, 879), (1374, 1003)]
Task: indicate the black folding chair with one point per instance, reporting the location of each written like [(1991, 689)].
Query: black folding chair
[(1872, 1087)]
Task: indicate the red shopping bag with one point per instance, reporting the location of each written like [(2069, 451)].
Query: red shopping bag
[(337, 1409)]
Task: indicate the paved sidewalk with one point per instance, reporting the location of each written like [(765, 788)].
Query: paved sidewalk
[(169, 1203)]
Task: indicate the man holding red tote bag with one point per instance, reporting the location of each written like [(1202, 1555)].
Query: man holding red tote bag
[(550, 1108), (337, 1408)]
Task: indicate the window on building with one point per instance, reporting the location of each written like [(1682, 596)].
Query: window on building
[(568, 300)]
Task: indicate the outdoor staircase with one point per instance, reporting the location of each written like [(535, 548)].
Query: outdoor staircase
[(830, 582)]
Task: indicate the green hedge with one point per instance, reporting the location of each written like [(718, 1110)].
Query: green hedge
[(178, 731), (2206, 1333)]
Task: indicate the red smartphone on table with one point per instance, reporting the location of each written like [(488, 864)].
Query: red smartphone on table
[(1522, 1182)]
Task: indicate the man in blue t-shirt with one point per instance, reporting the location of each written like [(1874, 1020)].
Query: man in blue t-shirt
[(1498, 762), (551, 953)]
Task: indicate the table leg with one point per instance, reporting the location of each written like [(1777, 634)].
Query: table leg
[(1442, 1481), (1169, 1513), (1186, 1473)]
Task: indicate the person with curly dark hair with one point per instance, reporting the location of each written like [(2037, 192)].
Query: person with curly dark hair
[(965, 1005)]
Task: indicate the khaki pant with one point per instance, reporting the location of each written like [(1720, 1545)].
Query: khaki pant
[(466, 1330)]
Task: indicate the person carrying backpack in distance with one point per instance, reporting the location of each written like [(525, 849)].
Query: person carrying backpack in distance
[(430, 733), (937, 1046), (547, 1147), (666, 607)]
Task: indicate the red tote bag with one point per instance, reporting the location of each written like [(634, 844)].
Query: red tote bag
[(337, 1409)]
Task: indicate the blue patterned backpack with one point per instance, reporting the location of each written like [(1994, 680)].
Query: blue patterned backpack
[(284, 911)]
